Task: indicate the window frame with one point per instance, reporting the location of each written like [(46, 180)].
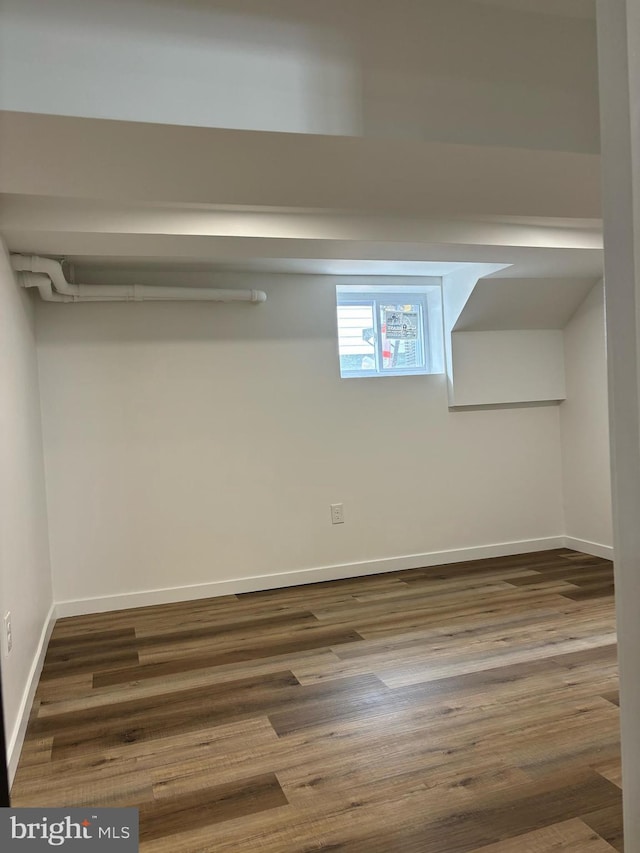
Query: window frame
[(377, 297)]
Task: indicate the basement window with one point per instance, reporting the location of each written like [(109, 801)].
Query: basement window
[(389, 330)]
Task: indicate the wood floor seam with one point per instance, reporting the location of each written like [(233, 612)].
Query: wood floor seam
[(466, 708)]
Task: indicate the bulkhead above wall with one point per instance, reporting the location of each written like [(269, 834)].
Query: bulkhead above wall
[(506, 345)]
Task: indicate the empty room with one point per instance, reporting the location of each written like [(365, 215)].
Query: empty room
[(309, 409)]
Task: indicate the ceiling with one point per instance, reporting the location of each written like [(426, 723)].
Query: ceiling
[(513, 182), (498, 304), (563, 8), (439, 261)]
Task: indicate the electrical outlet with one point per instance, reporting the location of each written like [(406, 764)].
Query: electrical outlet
[(337, 514), (8, 636)]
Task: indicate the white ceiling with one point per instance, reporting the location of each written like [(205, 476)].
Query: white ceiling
[(502, 186), (436, 70), (306, 266), (439, 260), (104, 235), (525, 303), (564, 8)]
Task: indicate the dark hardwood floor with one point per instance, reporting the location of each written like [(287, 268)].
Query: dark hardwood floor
[(470, 707)]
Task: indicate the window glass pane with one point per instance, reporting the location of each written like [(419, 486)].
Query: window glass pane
[(356, 337), (388, 330), (401, 329)]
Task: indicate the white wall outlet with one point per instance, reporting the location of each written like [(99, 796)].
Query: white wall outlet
[(337, 514), (8, 636)]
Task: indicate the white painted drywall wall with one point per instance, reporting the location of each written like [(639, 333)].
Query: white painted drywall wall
[(25, 573), (584, 419), (619, 69), (457, 287), (188, 444), (448, 70), (517, 366)]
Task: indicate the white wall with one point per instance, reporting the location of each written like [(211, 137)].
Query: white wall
[(449, 70), (515, 366), (619, 69), (25, 574), (584, 418), (189, 444)]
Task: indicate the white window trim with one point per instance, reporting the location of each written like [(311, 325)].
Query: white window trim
[(373, 295)]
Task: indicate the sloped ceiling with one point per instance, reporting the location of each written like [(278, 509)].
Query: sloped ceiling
[(500, 304)]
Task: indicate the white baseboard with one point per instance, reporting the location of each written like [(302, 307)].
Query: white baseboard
[(16, 739), (587, 547), (80, 607)]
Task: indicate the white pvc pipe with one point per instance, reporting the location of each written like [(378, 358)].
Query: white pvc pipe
[(33, 269), (43, 283)]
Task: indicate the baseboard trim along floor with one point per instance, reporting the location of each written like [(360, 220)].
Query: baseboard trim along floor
[(235, 586)]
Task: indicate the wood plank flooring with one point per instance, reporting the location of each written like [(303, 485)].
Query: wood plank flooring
[(470, 708)]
